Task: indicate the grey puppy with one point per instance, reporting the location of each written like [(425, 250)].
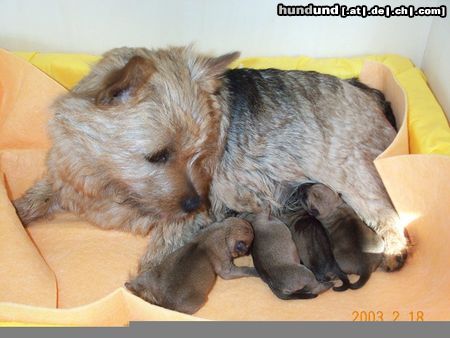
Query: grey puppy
[(314, 249), (185, 277), (357, 248), (276, 259)]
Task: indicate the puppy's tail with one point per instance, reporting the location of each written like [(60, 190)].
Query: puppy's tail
[(343, 277), (38, 201), (363, 278)]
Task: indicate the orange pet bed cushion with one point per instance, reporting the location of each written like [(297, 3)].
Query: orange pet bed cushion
[(65, 271)]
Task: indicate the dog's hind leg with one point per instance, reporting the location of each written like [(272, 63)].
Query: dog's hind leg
[(363, 190), (37, 202)]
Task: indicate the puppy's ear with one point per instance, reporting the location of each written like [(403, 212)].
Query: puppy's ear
[(125, 83), (208, 71)]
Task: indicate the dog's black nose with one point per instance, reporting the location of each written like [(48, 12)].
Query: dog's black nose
[(191, 203), (313, 212)]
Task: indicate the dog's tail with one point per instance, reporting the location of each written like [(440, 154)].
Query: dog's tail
[(363, 278), (38, 201), (379, 96), (343, 277)]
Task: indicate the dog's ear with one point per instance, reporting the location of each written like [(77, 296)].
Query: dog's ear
[(124, 84), (217, 66), (208, 71)]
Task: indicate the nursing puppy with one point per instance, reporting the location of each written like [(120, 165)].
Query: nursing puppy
[(167, 140), (356, 247), (276, 259), (184, 278), (314, 249)]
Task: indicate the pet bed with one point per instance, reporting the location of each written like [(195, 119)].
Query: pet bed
[(65, 271)]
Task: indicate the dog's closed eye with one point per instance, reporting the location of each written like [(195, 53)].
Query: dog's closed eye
[(160, 157)]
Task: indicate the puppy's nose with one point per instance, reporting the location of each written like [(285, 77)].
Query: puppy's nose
[(191, 203)]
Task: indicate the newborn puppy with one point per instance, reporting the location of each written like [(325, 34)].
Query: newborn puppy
[(185, 277), (356, 247), (314, 249), (276, 259)]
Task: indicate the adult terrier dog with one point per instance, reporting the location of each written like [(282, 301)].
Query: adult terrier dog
[(170, 140)]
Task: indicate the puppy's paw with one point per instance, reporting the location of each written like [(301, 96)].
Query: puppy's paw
[(395, 250)]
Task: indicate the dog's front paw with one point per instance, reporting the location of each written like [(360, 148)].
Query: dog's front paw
[(395, 250)]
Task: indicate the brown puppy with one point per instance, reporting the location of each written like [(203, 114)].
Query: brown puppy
[(277, 262), (314, 249), (184, 278), (357, 248)]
